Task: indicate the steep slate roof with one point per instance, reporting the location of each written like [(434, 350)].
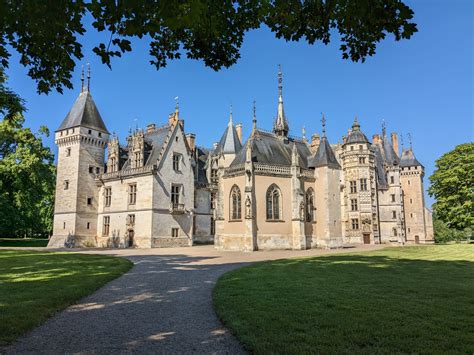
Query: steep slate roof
[(391, 158), (84, 113), (409, 159), (202, 156), (379, 166), (324, 156), (230, 142), (268, 148)]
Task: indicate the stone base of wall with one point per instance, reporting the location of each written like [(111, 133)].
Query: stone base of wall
[(72, 241), (274, 242), (233, 243), (163, 242), (331, 243)]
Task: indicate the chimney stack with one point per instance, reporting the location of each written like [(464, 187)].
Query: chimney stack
[(238, 128), (315, 140), (150, 127), (191, 139), (395, 142), (215, 145), (375, 139)]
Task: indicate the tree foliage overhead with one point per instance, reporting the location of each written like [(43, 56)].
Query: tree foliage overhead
[(452, 185), (46, 34), (27, 173)]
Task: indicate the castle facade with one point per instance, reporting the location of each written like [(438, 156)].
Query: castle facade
[(273, 191)]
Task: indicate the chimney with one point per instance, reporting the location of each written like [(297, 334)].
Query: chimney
[(150, 127), (238, 128), (375, 139), (215, 145), (395, 142), (315, 139), (191, 139)]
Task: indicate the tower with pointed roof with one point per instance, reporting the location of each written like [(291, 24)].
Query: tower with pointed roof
[(81, 139), (418, 224), (359, 203)]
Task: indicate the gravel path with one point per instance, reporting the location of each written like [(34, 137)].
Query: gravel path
[(162, 305)]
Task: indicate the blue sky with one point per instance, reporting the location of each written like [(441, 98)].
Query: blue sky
[(423, 86)]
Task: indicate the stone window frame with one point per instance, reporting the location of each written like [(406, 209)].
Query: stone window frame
[(273, 200), (177, 158), (309, 204), (361, 160), (107, 196), (174, 232), (68, 151), (363, 184), (355, 223), (66, 184), (132, 193), (394, 214), (175, 195), (393, 197), (106, 226), (353, 186), (354, 204), (89, 201), (235, 204)]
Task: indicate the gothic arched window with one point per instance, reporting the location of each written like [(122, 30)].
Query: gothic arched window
[(235, 203), (309, 205), (273, 203)]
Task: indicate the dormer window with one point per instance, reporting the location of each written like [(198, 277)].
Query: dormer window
[(90, 131), (100, 134)]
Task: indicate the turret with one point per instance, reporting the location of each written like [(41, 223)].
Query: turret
[(229, 145), (280, 126), (81, 139)]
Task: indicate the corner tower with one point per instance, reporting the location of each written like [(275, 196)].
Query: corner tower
[(81, 139)]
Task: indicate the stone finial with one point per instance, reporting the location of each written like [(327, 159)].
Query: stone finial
[(88, 76), (82, 79)]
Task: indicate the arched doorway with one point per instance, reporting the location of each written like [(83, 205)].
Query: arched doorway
[(131, 234)]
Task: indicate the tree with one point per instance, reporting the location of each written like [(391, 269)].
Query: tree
[(27, 172), (452, 185), (45, 33)]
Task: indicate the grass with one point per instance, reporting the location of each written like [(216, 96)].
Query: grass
[(23, 242), (396, 300), (34, 285)]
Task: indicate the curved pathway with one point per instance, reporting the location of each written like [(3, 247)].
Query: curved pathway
[(162, 305)]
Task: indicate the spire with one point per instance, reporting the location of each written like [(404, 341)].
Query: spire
[(303, 133), (176, 107), (88, 76), (355, 125), (384, 129), (401, 140), (230, 116), (323, 123), (410, 142), (82, 79), (254, 119), (280, 126)]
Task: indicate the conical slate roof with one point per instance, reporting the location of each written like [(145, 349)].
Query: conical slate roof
[(409, 159), (324, 156), (230, 142), (84, 113)]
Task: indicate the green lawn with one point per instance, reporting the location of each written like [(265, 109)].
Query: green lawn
[(23, 242), (396, 300), (34, 285)]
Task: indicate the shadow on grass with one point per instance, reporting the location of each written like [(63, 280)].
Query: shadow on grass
[(23, 242), (351, 303)]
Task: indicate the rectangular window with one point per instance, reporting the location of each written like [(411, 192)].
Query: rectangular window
[(213, 200), (363, 184), (360, 147), (411, 201), (106, 227), (131, 220), (90, 131), (64, 225), (108, 196), (393, 198), (213, 226), (361, 160), (175, 191), (408, 229), (176, 161), (353, 185), (91, 169), (97, 170), (394, 214), (68, 152), (395, 233), (88, 225), (89, 201), (132, 194), (355, 223), (174, 232), (100, 134), (354, 204), (409, 183), (66, 184), (392, 179)]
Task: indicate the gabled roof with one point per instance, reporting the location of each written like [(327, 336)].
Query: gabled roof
[(324, 156), (230, 142), (409, 159), (84, 113), (268, 148)]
